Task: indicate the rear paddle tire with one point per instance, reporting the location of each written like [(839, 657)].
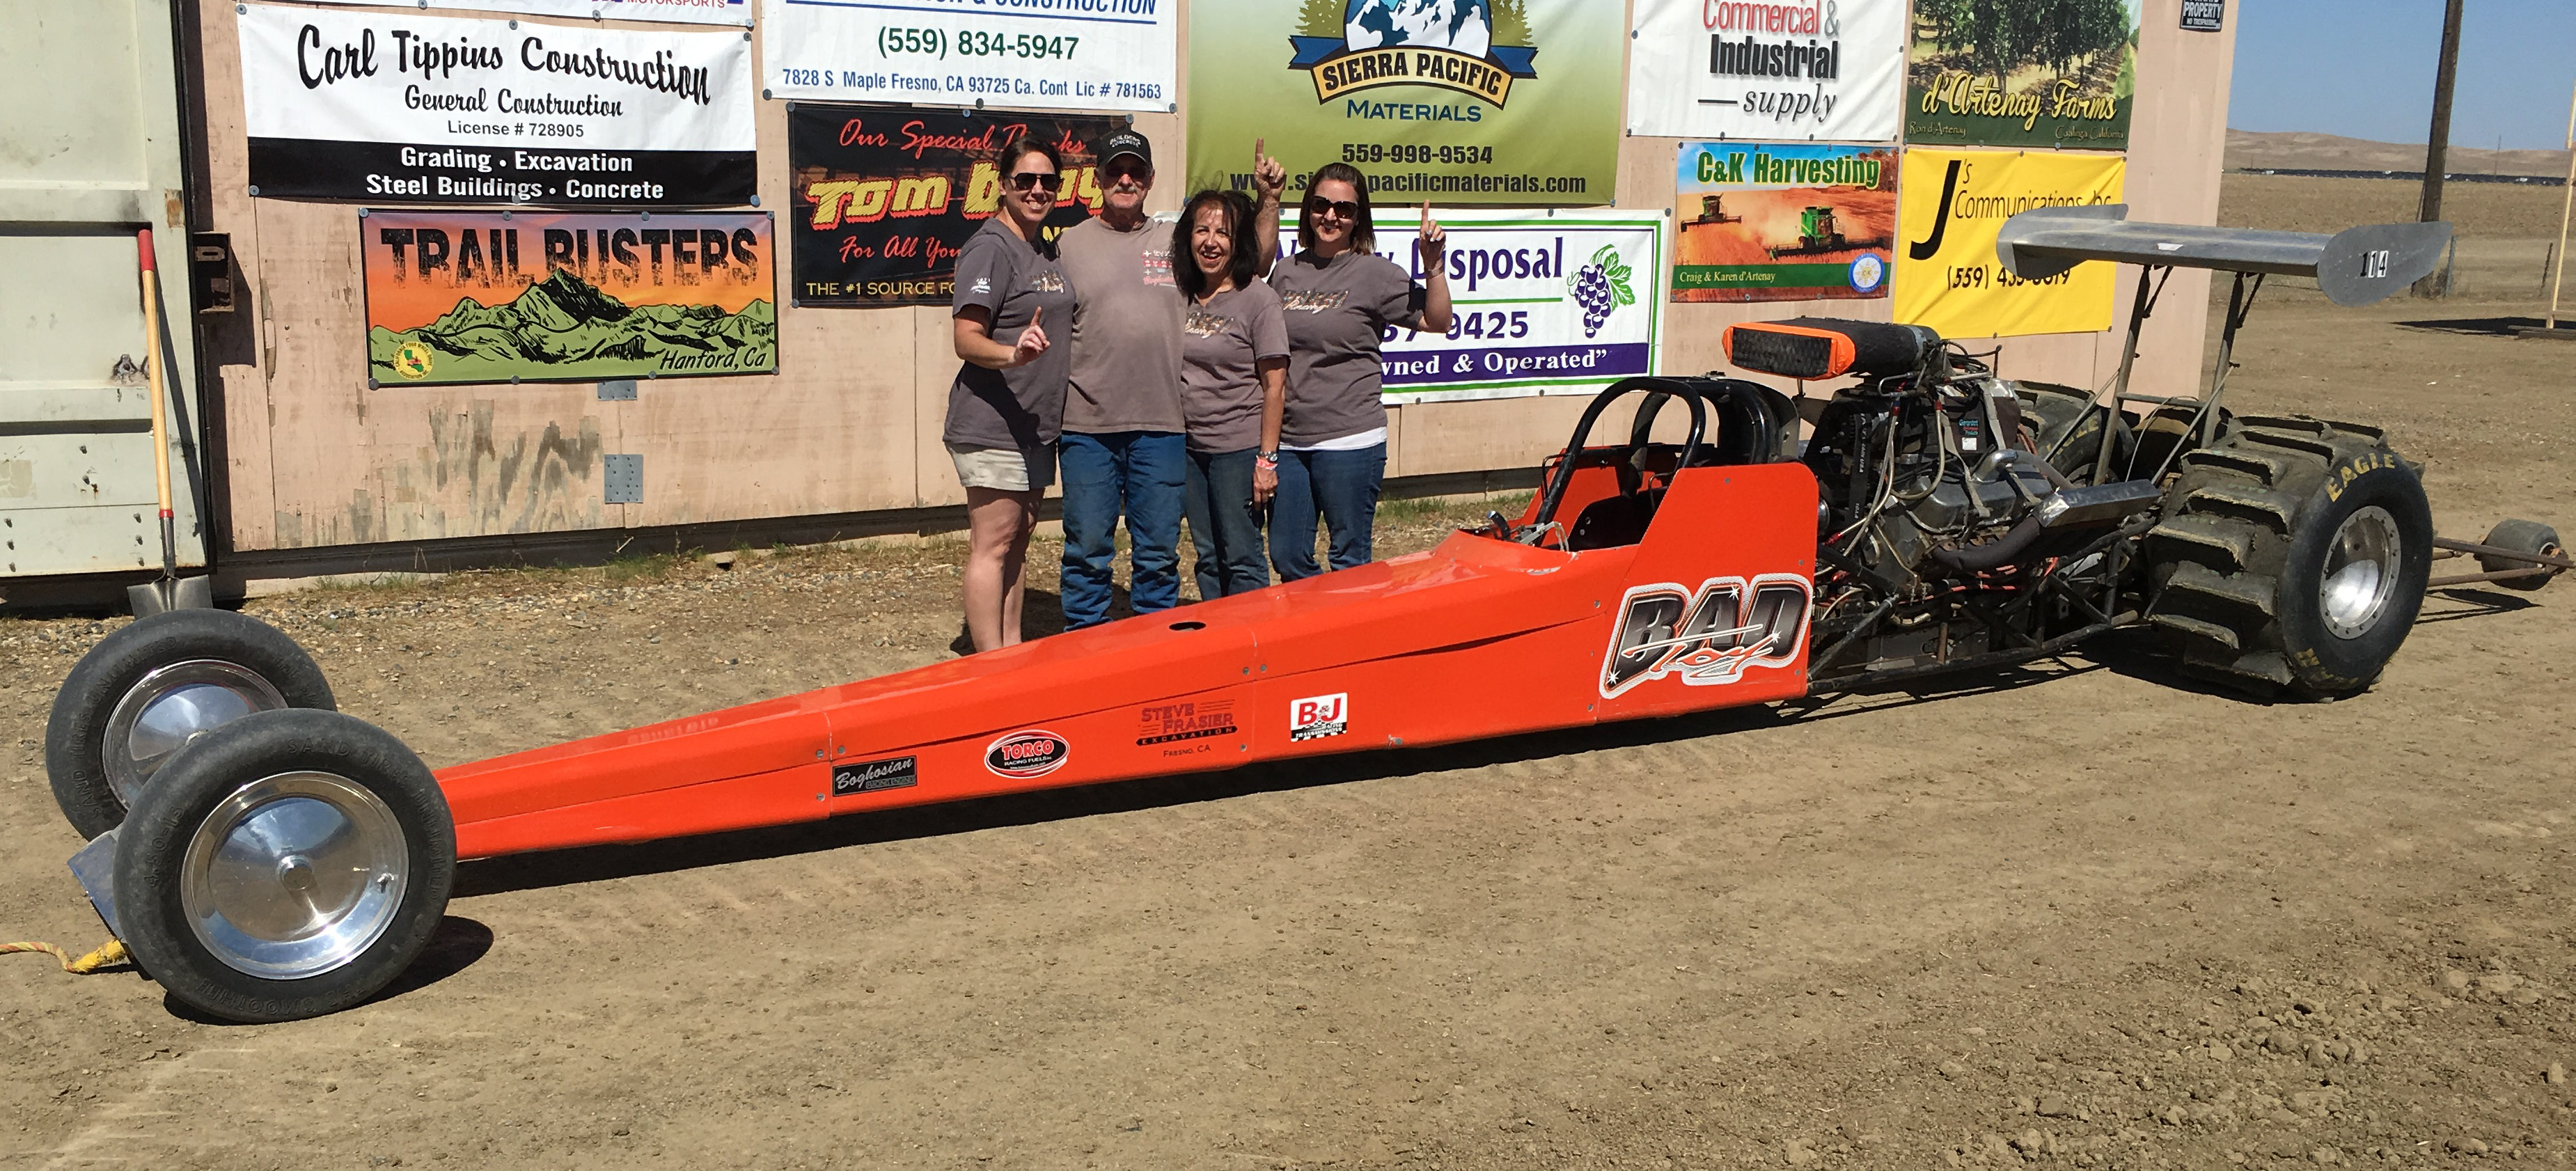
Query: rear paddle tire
[(287, 864)]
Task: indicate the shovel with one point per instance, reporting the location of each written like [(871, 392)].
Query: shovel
[(170, 592)]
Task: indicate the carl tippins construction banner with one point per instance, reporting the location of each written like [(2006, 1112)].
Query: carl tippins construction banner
[(423, 109), (886, 197), (1782, 222), (1028, 54), (1956, 202), (1455, 101), (2044, 73), (468, 296), (1779, 69)]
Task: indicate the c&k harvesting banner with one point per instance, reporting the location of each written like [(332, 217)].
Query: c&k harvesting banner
[(886, 197), (465, 296), (425, 109), (1956, 203), (1772, 69), (1774, 222), (1030, 54), (2044, 73), (1455, 101)]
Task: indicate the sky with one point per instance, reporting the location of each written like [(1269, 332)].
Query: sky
[(2364, 69)]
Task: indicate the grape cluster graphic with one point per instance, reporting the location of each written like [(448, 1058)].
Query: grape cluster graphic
[(1600, 287)]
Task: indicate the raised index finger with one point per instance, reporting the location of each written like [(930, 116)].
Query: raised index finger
[(1257, 148)]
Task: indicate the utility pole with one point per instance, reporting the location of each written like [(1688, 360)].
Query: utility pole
[(2437, 146)]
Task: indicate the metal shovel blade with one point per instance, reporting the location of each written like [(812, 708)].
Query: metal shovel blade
[(187, 593)]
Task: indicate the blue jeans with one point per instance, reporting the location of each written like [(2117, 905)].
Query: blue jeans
[(1342, 486), (1138, 473), (1223, 526)]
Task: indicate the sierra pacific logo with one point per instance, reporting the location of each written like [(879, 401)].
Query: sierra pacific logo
[(1476, 47)]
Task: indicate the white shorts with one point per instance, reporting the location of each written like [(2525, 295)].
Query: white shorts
[(1004, 469)]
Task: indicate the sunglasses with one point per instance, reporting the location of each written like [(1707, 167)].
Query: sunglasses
[(1116, 172), (1318, 205), (1028, 179)]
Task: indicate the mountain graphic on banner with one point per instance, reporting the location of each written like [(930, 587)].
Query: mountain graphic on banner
[(564, 328), (1462, 26)]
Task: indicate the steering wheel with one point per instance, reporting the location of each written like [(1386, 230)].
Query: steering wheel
[(1631, 464)]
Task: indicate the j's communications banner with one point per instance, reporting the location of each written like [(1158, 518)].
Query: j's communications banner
[(1956, 202), (1030, 54), (1773, 69), (424, 109)]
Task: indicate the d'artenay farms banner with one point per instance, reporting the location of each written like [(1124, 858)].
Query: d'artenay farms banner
[(1771, 222), (464, 296), (1544, 304), (1956, 203), (424, 109), (1779, 69), (2051, 73), (1032, 54), (1459, 101)]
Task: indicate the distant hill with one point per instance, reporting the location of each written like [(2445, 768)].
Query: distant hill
[(2328, 152), (564, 328)]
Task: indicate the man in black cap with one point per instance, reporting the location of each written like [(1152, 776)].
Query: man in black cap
[(1122, 451)]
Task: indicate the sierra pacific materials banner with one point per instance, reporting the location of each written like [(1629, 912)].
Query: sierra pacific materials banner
[(1544, 304), (1778, 69), (1029, 54), (2029, 73), (1455, 101), (733, 12), (1782, 222), (402, 108), (480, 296), (1956, 203), (885, 197)]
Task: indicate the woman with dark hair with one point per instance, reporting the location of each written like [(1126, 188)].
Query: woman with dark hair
[(1234, 371), (1341, 298), (1007, 403)]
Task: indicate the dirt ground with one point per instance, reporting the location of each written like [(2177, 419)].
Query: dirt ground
[(2085, 914)]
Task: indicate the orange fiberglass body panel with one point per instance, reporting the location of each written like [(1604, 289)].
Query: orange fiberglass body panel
[(1476, 638)]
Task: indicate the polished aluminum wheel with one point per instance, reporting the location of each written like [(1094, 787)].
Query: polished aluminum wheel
[(294, 875), (2361, 572), (171, 706)]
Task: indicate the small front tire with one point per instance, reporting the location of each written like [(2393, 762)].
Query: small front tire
[(2521, 536)]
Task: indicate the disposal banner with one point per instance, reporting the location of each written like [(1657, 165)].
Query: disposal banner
[(1775, 222), (1033, 54), (1956, 204), (733, 12), (1791, 69), (425, 109), (2031, 73), (467, 296)]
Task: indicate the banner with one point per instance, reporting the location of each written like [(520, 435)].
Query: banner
[(1956, 203), (1033, 54), (425, 109), (733, 12), (1783, 69), (1771, 222), (886, 197), (467, 296), (1455, 101), (2046, 73), (1544, 304)]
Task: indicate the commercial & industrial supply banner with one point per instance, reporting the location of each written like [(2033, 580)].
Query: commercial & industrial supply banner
[(733, 12), (2043, 73), (1028, 54), (1779, 69), (1456, 101), (482, 296), (886, 197), (1956, 203), (1782, 222), (1544, 304), (401, 108)]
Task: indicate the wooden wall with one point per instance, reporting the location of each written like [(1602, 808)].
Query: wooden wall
[(850, 423)]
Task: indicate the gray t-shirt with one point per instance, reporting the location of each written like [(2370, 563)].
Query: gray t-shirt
[(1021, 407), (1337, 312), (1126, 328), (1224, 340)]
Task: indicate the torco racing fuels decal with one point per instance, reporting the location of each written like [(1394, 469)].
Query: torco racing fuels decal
[(1709, 637), (1032, 753), (1318, 716)]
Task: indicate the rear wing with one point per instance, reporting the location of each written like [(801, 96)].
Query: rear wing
[(2355, 266)]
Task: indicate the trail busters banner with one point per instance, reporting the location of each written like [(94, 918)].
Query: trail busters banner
[(1956, 203), (1791, 68), (1459, 101), (1793, 222), (886, 197), (421, 109), (2046, 73), (1036, 54)]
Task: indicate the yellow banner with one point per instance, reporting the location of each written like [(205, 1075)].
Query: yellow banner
[(1955, 203)]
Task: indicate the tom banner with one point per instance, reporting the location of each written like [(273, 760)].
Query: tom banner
[(1030, 54), (1544, 304), (1956, 203), (885, 197), (733, 12), (482, 296), (1793, 69), (1782, 221), (1456, 101), (2046, 73), (401, 108)]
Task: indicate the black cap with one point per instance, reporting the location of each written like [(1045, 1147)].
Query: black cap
[(1126, 142)]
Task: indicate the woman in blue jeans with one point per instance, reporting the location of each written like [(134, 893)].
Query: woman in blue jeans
[(1234, 375)]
